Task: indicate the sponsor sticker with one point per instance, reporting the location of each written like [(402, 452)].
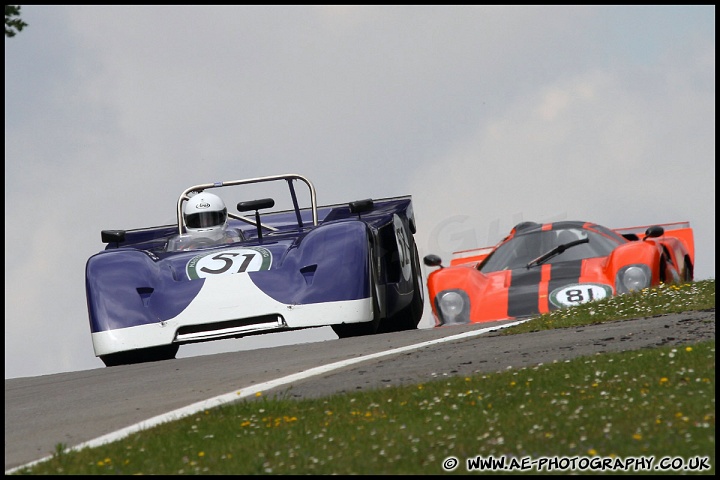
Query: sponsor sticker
[(228, 262)]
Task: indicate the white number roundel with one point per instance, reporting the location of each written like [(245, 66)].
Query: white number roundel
[(571, 295), (229, 261)]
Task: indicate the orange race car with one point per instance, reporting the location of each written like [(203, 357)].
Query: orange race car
[(538, 268)]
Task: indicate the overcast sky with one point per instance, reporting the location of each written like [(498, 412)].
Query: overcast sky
[(486, 115)]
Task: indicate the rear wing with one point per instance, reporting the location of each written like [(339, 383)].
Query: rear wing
[(470, 257), (680, 230)]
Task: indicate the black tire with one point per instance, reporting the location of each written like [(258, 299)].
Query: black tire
[(688, 274), (409, 317), (345, 330), (143, 355)]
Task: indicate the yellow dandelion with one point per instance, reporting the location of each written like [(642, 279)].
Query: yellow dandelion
[(201, 454), (258, 394), (663, 379), (592, 451), (637, 436), (688, 349)]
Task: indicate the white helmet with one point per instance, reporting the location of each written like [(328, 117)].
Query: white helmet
[(204, 212)]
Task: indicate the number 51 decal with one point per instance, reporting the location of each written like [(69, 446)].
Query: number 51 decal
[(229, 261)]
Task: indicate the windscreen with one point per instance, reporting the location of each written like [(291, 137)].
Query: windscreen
[(521, 249)]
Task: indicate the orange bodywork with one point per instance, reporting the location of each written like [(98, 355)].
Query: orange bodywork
[(521, 292), (678, 230), (473, 256)]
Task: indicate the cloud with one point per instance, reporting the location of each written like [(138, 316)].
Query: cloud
[(485, 115)]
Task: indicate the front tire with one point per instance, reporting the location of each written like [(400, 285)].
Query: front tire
[(143, 355), (409, 317), (345, 330)]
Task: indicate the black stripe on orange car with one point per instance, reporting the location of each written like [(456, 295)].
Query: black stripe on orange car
[(523, 292), (564, 273), (528, 293)]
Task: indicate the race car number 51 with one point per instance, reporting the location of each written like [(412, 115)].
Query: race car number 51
[(229, 261)]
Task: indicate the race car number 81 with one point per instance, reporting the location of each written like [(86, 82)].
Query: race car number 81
[(229, 261), (576, 294)]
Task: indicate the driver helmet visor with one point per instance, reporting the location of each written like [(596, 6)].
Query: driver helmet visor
[(206, 219)]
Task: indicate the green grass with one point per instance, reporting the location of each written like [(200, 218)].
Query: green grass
[(656, 402), (667, 298)]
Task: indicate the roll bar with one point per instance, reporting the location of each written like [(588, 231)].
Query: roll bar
[(289, 177)]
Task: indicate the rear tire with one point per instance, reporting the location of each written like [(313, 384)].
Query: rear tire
[(143, 355), (688, 273)]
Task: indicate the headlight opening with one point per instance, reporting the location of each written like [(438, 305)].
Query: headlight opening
[(453, 307), (633, 278)]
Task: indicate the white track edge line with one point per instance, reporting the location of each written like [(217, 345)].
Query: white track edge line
[(252, 390)]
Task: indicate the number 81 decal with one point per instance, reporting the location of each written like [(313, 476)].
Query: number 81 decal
[(229, 261), (576, 294)]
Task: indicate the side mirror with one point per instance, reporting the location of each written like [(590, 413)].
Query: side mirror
[(360, 206), (112, 236), (256, 205), (654, 231), (432, 261)]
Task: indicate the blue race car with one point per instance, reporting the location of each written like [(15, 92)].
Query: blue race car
[(216, 274)]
